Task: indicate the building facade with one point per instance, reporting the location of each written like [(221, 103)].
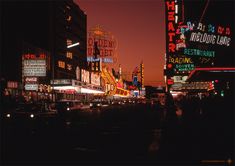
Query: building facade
[(31, 31)]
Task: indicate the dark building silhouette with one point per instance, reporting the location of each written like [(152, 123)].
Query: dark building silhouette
[(46, 25)]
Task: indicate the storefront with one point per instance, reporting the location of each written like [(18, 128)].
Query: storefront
[(74, 90)]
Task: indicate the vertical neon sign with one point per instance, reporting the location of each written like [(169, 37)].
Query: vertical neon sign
[(170, 8)]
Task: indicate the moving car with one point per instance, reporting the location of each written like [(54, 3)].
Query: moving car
[(31, 111)]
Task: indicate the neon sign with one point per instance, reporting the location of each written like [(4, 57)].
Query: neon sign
[(184, 67), (85, 76), (180, 60), (198, 52), (142, 74), (95, 79), (34, 68), (170, 7), (105, 42), (33, 56)]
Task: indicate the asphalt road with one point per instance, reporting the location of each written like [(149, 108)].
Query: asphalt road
[(121, 134)]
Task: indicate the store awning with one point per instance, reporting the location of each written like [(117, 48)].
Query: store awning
[(213, 73)]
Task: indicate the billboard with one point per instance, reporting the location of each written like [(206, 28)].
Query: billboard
[(34, 67), (106, 43), (95, 78), (85, 76)]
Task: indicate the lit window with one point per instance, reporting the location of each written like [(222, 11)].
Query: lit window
[(69, 42), (69, 55), (69, 67), (69, 18), (61, 64)]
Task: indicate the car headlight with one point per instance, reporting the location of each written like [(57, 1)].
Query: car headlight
[(8, 115), (98, 105), (68, 109), (31, 115)]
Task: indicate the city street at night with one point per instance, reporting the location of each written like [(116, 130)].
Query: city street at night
[(117, 82)]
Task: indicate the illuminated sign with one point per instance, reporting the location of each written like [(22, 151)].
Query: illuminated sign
[(170, 20), (105, 42), (142, 74), (85, 76), (95, 79), (33, 56), (184, 67), (31, 79), (180, 79), (135, 80), (105, 60), (12, 84), (171, 44), (61, 64), (69, 67), (180, 60), (210, 38), (170, 81), (44, 88), (34, 68), (199, 52), (61, 82), (33, 87)]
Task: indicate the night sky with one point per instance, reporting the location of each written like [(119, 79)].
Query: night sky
[(138, 26)]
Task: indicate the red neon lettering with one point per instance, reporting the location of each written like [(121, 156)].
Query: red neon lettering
[(26, 56), (227, 31), (42, 56), (171, 47), (171, 26), (105, 43), (90, 51), (170, 5), (171, 16), (170, 36), (32, 56), (111, 43), (220, 30), (101, 52), (90, 41), (101, 43)]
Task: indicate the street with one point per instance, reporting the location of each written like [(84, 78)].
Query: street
[(120, 134)]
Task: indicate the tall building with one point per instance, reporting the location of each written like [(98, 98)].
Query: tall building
[(29, 29)]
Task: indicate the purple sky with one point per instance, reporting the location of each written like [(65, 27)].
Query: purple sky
[(138, 26)]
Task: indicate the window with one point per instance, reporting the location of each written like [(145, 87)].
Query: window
[(69, 66), (61, 64), (69, 18), (69, 42), (69, 55)]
